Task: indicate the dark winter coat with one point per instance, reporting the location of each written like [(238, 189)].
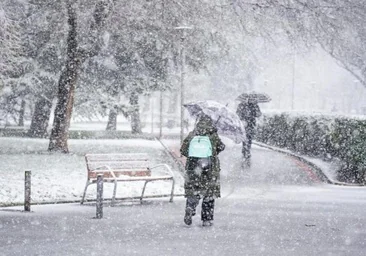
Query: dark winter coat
[(206, 183), (248, 112)]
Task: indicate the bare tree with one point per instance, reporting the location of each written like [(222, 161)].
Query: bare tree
[(76, 56), (338, 26), (343, 36)]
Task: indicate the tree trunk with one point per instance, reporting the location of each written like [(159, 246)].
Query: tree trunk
[(173, 99), (172, 120), (135, 114), (112, 120), (21, 114), (75, 58), (40, 118), (66, 88)]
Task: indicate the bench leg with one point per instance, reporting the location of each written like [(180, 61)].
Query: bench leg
[(114, 193), (86, 187), (172, 193), (143, 191)]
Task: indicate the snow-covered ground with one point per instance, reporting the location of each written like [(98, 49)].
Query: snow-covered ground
[(275, 207), (329, 169), (288, 221), (60, 177)]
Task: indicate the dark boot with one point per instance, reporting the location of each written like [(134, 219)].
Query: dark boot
[(207, 214), (207, 223), (188, 216), (190, 211)]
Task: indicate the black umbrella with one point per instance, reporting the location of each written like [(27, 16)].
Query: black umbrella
[(253, 96)]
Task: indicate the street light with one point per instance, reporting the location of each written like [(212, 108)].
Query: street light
[(182, 74), (293, 80)]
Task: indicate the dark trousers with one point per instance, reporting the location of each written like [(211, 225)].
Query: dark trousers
[(247, 146), (208, 204)]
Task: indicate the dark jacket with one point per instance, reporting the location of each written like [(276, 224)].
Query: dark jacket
[(208, 183), (248, 112)]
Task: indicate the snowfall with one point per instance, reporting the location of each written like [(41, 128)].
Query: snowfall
[(278, 206)]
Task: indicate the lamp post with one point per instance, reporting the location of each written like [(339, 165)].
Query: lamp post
[(161, 115), (182, 75), (293, 81)]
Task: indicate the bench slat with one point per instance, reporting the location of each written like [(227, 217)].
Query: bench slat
[(117, 173), (118, 165), (137, 178), (116, 157)]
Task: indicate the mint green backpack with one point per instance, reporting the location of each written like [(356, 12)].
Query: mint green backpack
[(200, 147)]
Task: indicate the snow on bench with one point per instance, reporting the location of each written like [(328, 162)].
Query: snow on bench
[(124, 167)]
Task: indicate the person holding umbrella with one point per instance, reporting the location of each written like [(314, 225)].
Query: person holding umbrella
[(201, 147), (248, 111), (202, 171)]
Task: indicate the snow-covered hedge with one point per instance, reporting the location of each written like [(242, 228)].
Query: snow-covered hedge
[(319, 135)]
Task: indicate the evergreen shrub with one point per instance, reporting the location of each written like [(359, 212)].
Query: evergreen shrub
[(322, 136)]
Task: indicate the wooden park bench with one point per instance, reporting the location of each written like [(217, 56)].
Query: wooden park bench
[(125, 167)]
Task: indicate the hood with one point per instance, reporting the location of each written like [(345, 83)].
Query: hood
[(205, 126)]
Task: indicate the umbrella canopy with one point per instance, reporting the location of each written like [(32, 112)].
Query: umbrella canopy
[(226, 120), (258, 97)]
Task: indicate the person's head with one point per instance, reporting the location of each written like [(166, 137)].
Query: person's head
[(205, 119), (205, 124), (252, 101)]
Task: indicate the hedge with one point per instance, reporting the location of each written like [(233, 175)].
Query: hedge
[(322, 136)]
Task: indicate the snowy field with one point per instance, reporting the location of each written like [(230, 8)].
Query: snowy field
[(60, 177)]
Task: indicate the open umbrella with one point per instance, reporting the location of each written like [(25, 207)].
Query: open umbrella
[(227, 121), (258, 97)]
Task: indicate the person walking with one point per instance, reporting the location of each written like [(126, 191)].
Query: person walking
[(202, 170), (248, 111)]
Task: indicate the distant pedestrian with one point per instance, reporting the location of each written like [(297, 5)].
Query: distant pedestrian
[(202, 171), (248, 111)]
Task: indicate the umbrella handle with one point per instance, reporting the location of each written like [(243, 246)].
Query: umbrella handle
[(218, 119)]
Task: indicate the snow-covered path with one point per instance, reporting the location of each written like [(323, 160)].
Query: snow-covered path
[(276, 207), (267, 168), (309, 222)]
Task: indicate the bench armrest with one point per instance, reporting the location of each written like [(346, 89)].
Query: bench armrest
[(109, 169), (167, 167)]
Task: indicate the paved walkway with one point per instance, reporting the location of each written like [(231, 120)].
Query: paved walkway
[(267, 167), (276, 207)]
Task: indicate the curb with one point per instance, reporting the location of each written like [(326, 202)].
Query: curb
[(171, 154), (85, 201), (321, 174)]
